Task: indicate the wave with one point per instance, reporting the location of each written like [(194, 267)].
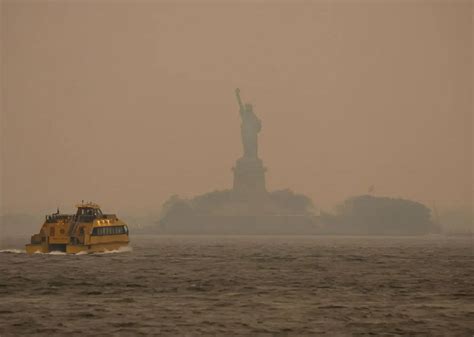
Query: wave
[(126, 249), (82, 253), (54, 252), (13, 251), (115, 251)]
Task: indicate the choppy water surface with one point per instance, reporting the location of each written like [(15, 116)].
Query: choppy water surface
[(244, 286)]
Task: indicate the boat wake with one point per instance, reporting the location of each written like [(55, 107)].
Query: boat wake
[(115, 251), (13, 251), (126, 249), (54, 252)]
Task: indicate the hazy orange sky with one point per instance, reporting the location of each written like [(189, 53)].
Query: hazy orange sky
[(126, 103)]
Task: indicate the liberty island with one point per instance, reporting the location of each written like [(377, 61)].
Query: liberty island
[(248, 207)]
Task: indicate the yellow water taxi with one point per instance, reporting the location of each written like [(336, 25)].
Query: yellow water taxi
[(89, 231)]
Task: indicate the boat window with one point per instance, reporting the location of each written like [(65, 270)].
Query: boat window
[(86, 214), (51, 231), (109, 230)]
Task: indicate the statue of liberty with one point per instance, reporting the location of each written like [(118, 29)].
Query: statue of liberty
[(250, 127)]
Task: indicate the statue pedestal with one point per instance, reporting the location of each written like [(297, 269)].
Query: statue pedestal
[(249, 178)]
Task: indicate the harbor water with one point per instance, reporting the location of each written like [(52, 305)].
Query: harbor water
[(243, 285)]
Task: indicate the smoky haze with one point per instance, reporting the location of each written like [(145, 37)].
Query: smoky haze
[(127, 104)]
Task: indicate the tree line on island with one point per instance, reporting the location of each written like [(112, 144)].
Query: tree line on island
[(359, 215), (372, 215)]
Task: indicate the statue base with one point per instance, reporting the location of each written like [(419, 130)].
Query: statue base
[(249, 178)]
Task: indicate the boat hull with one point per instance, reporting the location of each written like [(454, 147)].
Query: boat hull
[(75, 249), (36, 248)]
